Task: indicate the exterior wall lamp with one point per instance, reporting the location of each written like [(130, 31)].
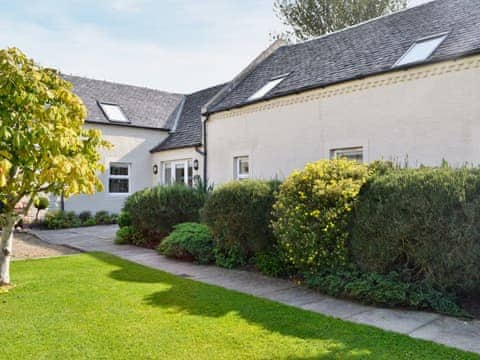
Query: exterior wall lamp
[(155, 169), (195, 164)]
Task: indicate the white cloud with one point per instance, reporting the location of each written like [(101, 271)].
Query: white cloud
[(127, 5)]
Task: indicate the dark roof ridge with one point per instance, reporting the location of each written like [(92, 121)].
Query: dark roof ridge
[(122, 84)]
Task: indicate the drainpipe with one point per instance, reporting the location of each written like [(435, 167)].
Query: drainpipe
[(205, 150)]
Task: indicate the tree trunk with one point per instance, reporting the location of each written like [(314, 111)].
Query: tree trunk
[(6, 249)]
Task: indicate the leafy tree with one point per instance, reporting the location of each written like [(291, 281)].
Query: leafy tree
[(44, 147), (309, 18)]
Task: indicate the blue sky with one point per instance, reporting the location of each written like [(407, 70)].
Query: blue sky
[(173, 45)]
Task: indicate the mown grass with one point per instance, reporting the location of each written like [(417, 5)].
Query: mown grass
[(98, 306)]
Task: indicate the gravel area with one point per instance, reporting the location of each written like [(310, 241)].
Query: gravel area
[(26, 246)]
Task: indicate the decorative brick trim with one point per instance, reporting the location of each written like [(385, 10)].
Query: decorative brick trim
[(375, 81)]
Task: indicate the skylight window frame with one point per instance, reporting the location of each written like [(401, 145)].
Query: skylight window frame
[(441, 36), (261, 93), (104, 111)]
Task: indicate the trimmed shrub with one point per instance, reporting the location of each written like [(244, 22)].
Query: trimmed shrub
[(154, 212), (61, 220), (313, 213), (238, 214), (102, 217), (273, 263), (129, 235), (89, 222), (113, 218), (426, 221), (390, 290), (41, 203), (124, 219), (85, 215), (189, 241)]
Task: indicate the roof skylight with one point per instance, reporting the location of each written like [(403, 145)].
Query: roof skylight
[(421, 50), (113, 112), (265, 89)]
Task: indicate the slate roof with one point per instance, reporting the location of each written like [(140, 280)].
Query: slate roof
[(144, 107), (188, 131), (369, 48)]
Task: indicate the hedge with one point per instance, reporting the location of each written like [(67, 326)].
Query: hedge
[(239, 215), (426, 221), (153, 212)]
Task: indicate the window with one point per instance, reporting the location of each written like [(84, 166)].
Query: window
[(241, 168), (177, 172), (348, 153), (119, 178), (421, 50), (267, 87), (113, 112)]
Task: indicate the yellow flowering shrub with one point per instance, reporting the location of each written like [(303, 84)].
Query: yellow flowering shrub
[(313, 211)]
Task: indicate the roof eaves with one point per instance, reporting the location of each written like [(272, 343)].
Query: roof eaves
[(126, 125), (159, 147)]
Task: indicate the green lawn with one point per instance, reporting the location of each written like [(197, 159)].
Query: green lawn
[(98, 306)]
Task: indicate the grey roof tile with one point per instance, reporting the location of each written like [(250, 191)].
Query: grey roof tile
[(188, 131), (365, 49), (143, 107)]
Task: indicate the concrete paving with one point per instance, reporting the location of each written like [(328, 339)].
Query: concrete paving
[(445, 330)]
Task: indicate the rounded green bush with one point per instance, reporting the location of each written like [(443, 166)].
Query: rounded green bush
[(189, 241), (85, 216), (239, 214), (41, 203), (124, 219), (89, 222), (313, 213), (61, 220), (423, 220), (154, 212), (129, 235), (102, 217), (273, 263)]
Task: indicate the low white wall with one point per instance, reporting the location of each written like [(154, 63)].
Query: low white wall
[(427, 113), (131, 145)]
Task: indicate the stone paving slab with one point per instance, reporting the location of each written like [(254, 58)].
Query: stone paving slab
[(451, 332), (401, 321), (295, 296), (464, 335), (337, 308)]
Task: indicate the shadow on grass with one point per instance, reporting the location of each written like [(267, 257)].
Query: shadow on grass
[(339, 339)]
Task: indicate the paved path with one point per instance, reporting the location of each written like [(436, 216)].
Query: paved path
[(453, 332)]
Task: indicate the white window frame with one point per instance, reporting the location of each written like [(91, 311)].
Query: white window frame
[(238, 175), (186, 164), (439, 37), (345, 152), (269, 86), (128, 177), (103, 106)]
